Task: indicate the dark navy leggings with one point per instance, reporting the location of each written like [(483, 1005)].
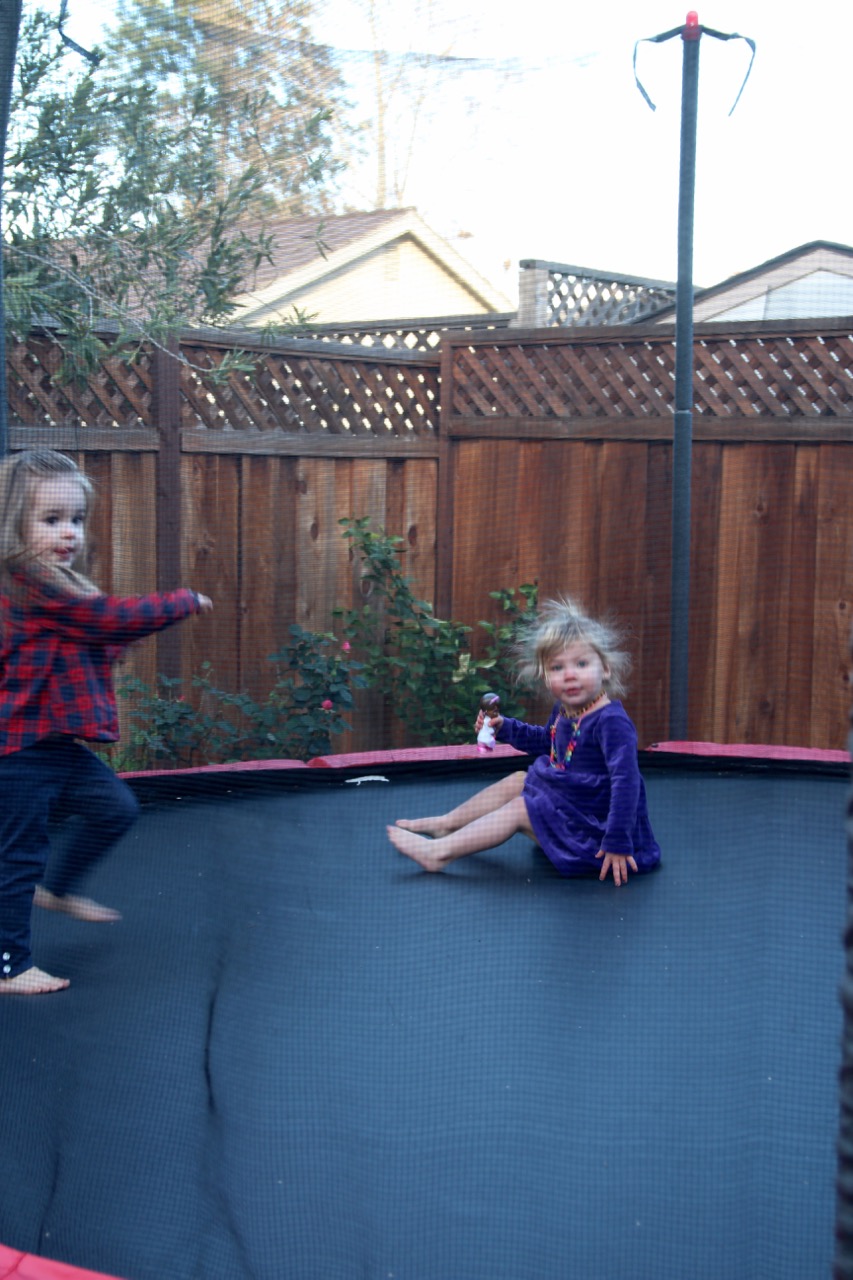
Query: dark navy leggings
[(54, 779)]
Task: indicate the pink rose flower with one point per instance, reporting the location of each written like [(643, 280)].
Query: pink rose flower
[(327, 704)]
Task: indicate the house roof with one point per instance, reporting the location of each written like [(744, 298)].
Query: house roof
[(298, 262), (296, 240), (817, 256)]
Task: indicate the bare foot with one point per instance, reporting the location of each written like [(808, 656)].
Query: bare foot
[(32, 982), (417, 847), (425, 826), (78, 908)]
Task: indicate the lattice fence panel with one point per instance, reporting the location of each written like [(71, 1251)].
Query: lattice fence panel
[(773, 376), (808, 376), (312, 393), (543, 381), (309, 388), (406, 335), (117, 394), (575, 299)]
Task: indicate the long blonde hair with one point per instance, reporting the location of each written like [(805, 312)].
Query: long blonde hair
[(561, 622), (19, 474)]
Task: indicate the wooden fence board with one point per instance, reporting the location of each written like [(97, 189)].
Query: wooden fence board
[(736, 430), (547, 459), (267, 577), (725, 710), (620, 562), (395, 504), (649, 695), (374, 493), (417, 525), (486, 486), (754, 594), (211, 565), (318, 543), (801, 691), (622, 501), (366, 495), (538, 521), (581, 522), (833, 599), (133, 549), (99, 535), (705, 587), (772, 529)]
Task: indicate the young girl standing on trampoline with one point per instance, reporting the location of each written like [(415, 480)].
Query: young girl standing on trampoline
[(583, 798), (58, 637)]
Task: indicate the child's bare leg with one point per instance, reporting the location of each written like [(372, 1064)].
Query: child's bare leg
[(485, 832), (73, 905), (32, 982), (483, 802)]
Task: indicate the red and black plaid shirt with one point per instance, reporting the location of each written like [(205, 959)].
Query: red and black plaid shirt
[(55, 658)]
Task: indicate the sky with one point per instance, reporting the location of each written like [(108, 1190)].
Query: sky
[(544, 148)]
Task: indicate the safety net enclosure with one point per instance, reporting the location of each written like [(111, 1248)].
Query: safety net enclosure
[(306, 1057), (370, 331)]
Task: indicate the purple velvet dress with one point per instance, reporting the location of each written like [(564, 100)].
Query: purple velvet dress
[(598, 801)]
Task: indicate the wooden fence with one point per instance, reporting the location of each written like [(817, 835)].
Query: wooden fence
[(501, 457)]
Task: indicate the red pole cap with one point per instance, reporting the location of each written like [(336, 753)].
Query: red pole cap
[(691, 29)]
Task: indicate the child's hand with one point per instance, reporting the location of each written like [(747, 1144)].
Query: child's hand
[(495, 722), (618, 863), (205, 604)]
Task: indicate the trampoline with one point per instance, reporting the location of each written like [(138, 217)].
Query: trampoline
[(299, 1057)]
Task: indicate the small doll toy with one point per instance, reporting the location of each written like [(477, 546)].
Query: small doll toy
[(490, 705)]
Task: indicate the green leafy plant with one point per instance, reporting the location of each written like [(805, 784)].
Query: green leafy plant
[(165, 728), (423, 663), (298, 718), (128, 216), (518, 606), (311, 695)]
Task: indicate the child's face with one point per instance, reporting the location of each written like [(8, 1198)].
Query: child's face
[(575, 675), (55, 525)]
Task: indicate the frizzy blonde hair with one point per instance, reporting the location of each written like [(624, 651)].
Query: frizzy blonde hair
[(19, 474), (561, 622)]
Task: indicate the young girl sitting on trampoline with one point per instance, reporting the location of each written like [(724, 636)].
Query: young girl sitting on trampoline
[(58, 637), (583, 798)]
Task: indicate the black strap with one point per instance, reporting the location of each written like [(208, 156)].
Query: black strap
[(677, 31), (93, 58)]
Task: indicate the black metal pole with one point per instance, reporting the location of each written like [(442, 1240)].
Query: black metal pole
[(843, 1261), (683, 426), (10, 22)]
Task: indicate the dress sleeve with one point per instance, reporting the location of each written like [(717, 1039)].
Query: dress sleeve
[(110, 620), (618, 741), (533, 739)]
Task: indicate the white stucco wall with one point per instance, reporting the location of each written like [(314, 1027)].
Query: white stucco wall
[(398, 280), (821, 293)]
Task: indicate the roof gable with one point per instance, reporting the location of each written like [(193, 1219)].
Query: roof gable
[(349, 241), (298, 241), (817, 276)]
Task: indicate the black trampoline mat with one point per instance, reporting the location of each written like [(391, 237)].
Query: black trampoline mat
[(299, 1057)]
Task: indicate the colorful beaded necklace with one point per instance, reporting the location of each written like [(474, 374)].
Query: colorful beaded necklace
[(575, 722)]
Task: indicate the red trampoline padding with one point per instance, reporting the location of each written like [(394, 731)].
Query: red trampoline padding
[(26, 1266), (752, 751), (240, 766), (411, 755)]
